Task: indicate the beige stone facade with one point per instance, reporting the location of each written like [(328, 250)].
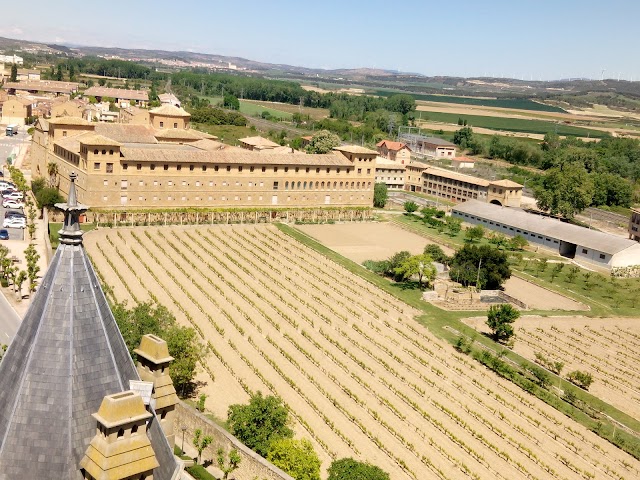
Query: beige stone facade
[(169, 116), (15, 109), (137, 167), (134, 116), (390, 173)]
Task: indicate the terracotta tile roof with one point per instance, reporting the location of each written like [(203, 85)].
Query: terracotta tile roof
[(22, 100), (43, 86), (170, 111), (117, 93), (506, 183), (393, 146), (211, 145), (70, 121), (385, 162), (441, 172), (125, 133), (355, 149), (226, 157), (98, 140), (260, 142), (179, 134)]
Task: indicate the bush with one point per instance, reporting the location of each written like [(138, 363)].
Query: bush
[(48, 197), (581, 379), (350, 469), (410, 207), (38, 184)]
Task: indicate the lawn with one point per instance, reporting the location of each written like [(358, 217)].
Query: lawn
[(54, 228), (515, 124), (228, 134)]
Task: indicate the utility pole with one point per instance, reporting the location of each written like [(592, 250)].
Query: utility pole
[(478, 277)]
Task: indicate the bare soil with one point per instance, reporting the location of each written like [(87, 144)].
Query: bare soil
[(536, 297), (360, 377)]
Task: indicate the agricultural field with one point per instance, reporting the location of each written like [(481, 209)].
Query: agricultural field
[(609, 349), (362, 379), (513, 124), (280, 109)]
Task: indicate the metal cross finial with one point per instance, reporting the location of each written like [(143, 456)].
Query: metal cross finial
[(71, 234)]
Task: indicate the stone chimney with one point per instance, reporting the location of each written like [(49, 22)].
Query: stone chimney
[(121, 448), (153, 366)]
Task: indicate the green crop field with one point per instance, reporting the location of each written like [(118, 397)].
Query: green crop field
[(251, 108), (519, 103), (514, 124)]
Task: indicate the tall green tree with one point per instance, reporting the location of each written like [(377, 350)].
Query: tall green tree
[(420, 265), (565, 190), (323, 142), (59, 75), (402, 103), (295, 457), (261, 422), (14, 73), (350, 469), (380, 195), (201, 442), (480, 263), (499, 320), (72, 73)]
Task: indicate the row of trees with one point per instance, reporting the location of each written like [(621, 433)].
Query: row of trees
[(216, 116), (263, 425)]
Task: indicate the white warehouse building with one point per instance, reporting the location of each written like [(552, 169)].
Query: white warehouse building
[(582, 244)]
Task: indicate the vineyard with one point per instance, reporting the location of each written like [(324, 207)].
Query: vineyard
[(360, 377), (608, 349)]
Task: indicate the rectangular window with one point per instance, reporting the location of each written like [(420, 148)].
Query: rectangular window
[(240, 168), (96, 166), (264, 169), (109, 167), (602, 256), (215, 168), (251, 169), (286, 169), (165, 166), (275, 185), (139, 166), (204, 168), (125, 166), (161, 124), (178, 167), (275, 169), (123, 184), (175, 125), (585, 251), (191, 167), (228, 168), (106, 183), (152, 166)]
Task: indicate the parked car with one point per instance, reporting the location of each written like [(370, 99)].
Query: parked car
[(13, 196), (14, 223), (14, 213), (4, 185), (4, 234), (11, 203)]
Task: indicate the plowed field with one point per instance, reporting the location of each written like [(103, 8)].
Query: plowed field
[(361, 377)]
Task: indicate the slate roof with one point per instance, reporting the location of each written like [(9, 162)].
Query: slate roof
[(66, 356), (547, 226)]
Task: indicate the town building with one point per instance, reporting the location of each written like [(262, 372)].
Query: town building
[(69, 108), (67, 408), (396, 151), (12, 59), (571, 241), (463, 162), (634, 225), (16, 110), (169, 116), (431, 146), (391, 173), (134, 115), (123, 97), (123, 166), (42, 86), (169, 99), (458, 187), (22, 73)]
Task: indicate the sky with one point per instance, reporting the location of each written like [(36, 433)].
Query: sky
[(543, 39)]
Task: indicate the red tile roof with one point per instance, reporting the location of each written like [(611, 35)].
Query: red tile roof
[(394, 146)]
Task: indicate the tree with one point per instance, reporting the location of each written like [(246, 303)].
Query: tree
[(231, 465), (401, 103), (59, 76), (48, 197), (480, 263), (518, 243), (20, 279), (201, 442), (380, 195), (14, 73), (183, 343), (52, 171), (420, 265), (499, 320), (231, 101), (323, 142), (454, 225), (261, 422), (581, 379), (463, 137), (72, 73), (474, 234), (410, 206), (565, 190), (350, 469), (295, 457), (436, 253)]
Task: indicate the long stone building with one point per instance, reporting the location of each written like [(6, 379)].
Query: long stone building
[(129, 167)]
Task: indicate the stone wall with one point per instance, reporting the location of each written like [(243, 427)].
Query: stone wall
[(252, 466)]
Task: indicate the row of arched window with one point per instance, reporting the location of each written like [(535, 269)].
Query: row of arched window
[(326, 185)]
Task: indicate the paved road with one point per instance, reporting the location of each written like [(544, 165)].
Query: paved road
[(9, 321), (10, 144)]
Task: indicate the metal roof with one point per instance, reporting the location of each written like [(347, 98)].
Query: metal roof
[(547, 226)]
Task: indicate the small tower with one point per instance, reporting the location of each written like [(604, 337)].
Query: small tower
[(120, 449), (153, 366)]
